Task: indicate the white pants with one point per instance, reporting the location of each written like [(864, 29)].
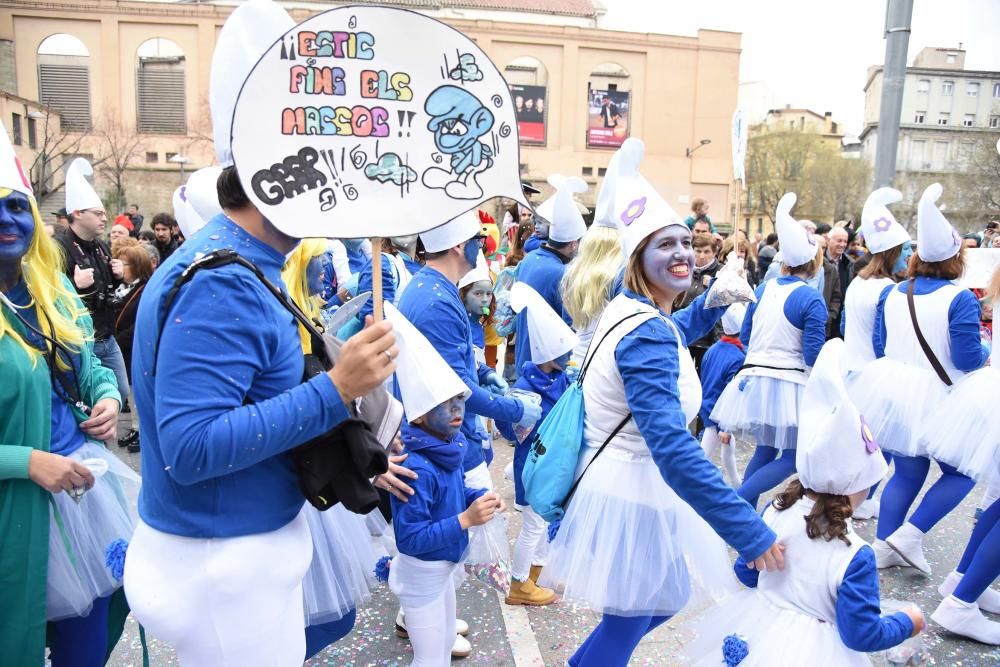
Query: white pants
[(222, 602), (532, 546), (426, 591), (479, 478), (711, 444)]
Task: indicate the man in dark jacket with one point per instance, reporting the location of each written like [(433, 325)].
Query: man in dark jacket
[(836, 246), (166, 244)]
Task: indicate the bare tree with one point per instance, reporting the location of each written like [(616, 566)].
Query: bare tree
[(837, 186), (120, 145), (57, 146), (777, 163)]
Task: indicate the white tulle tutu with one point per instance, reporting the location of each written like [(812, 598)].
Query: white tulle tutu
[(760, 406), (963, 431), (630, 546), (896, 399), (774, 636), (346, 547), (79, 534)]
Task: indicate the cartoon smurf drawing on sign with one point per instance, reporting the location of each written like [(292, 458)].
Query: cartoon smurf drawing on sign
[(458, 120)]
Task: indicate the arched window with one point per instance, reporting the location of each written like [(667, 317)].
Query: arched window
[(608, 101), (64, 80), (159, 88), (527, 79)]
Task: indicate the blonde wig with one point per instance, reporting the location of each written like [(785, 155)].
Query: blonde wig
[(296, 281), (587, 281)]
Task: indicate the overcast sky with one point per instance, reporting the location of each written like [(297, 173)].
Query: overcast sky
[(815, 53)]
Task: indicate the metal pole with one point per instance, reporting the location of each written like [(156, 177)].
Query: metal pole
[(897, 38)]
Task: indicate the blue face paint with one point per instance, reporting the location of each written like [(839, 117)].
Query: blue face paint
[(563, 361), (17, 226), (317, 273), (904, 258), (445, 420), (354, 245), (668, 260), (471, 252), (477, 299)]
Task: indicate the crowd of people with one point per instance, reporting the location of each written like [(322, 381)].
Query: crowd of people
[(274, 498)]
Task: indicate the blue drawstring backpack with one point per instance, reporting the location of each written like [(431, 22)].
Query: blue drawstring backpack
[(549, 472)]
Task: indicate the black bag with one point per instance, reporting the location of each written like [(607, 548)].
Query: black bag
[(338, 465)]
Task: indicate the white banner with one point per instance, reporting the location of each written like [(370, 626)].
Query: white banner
[(739, 144)]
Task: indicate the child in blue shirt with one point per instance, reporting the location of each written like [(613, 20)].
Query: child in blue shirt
[(551, 343), (719, 366)]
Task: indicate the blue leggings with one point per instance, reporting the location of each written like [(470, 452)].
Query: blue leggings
[(318, 637), (888, 459), (614, 639), (904, 486), (81, 641), (765, 471), (980, 564)]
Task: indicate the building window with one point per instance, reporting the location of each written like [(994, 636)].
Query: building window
[(169, 155), (924, 86), (972, 90), (919, 117), (947, 87), (32, 133), (969, 120), (15, 126), (996, 90), (64, 80), (160, 89), (994, 122), (760, 225), (943, 118), (587, 171), (601, 171), (951, 58), (152, 158)]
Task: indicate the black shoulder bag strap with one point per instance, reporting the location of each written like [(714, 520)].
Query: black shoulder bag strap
[(583, 372), (928, 352)]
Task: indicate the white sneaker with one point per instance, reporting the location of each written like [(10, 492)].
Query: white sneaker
[(886, 557), (461, 627), (908, 542), (461, 648), (867, 510), (988, 601), (967, 620)]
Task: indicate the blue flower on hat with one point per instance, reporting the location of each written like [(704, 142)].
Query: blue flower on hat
[(734, 650), (633, 211)]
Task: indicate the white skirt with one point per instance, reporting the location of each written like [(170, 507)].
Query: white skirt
[(963, 430), (895, 399), (630, 546), (760, 406), (342, 574), (774, 636), (79, 534)]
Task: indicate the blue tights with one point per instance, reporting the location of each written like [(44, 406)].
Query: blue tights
[(765, 471), (904, 486), (81, 641), (980, 564), (614, 639), (318, 637)]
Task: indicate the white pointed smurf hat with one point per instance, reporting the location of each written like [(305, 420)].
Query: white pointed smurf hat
[(248, 32), (836, 450), (12, 174), (481, 272), (639, 210), (732, 319), (451, 233), (562, 211), (550, 336), (878, 225), (798, 246), (604, 212), (425, 379), (937, 240), (80, 194)]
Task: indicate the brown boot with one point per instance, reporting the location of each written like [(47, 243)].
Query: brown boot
[(527, 593), (536, 571)]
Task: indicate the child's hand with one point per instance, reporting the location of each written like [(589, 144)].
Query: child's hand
[(481, 511), (725, 438), (917, 616)]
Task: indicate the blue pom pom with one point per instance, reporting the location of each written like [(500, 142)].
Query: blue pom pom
[(382, 568), (114, 558), (554, 529), (734, 650)]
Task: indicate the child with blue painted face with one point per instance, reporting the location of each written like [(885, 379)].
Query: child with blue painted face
[(552, 343), (431, 529)]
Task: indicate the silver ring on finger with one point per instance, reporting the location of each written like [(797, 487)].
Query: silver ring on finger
[(388, 354)]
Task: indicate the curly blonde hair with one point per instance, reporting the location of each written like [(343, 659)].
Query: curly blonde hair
[(587, 281)]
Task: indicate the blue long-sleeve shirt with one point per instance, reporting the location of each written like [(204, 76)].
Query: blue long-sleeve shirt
[(212, 466), (427, 526), (648, 362), (859, 614), (804, 309), (543, 270), (719, 366), (967, 350), (432, 304), (389, 284)]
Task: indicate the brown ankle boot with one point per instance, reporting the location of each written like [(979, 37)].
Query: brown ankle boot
[(535, 572), (527, 593)]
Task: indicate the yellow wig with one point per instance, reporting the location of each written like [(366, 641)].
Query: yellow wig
[(294, 276), (587, 282), (56, 304)]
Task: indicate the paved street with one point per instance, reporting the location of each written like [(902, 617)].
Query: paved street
[(517, 636)]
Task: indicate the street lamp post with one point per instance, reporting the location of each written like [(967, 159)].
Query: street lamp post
[(690, 151), (181, 160)]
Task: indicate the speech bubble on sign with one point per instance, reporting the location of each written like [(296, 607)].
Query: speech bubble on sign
[(372, 121)]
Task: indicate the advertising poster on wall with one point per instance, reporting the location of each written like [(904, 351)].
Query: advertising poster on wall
[(607, 125), (529, 109)]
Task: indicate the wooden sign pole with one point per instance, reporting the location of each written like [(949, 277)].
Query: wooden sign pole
[(377, 279)]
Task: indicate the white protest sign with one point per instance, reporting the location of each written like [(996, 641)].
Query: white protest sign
[(371, 121), (739, 144), (980, 263)]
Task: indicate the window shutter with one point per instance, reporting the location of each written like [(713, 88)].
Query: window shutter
[(160, 97), (66, 88)]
